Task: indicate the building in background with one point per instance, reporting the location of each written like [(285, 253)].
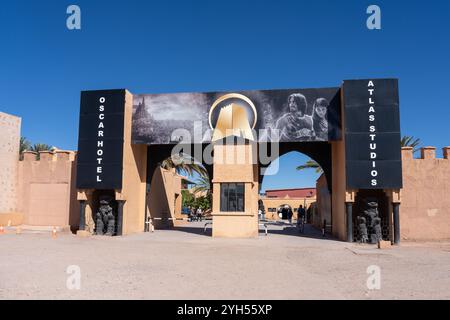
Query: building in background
[(275, 200)]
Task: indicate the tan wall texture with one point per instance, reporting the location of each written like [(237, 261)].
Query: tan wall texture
[(164, 199), (9, 167), (47, 189), (134, 177), (425, 197), (235, 163), (323, 202)]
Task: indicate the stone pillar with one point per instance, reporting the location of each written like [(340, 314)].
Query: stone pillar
[(428, 153), (82, 223), (446, 152), (396, 218), (235, 163), (86, 224), (120, 204), (349, 217)]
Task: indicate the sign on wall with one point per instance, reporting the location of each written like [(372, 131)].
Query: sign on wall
[(100, 139), (276, 115), (372, 134)]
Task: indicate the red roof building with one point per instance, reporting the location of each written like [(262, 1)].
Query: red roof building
[(291, 193)]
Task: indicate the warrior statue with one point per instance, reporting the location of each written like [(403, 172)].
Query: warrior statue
[(373, 221), (105, 217), (362, 229)]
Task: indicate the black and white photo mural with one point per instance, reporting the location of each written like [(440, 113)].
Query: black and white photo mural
[(288, 115)]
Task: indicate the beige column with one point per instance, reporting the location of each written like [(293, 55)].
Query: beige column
[(236, 164)]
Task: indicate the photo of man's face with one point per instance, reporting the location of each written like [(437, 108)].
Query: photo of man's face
[(292, 105), (297, 104)]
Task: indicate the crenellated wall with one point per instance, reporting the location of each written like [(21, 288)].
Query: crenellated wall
[(47, 189), (425, 197)]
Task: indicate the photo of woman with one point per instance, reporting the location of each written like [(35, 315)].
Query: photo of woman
[(320, 121)]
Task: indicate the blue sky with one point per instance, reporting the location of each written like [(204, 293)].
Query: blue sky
[(173, 46)]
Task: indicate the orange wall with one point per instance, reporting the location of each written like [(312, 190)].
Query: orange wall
[(425, 197), (47, 189)]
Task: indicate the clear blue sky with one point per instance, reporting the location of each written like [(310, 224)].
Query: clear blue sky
[(172, 46)]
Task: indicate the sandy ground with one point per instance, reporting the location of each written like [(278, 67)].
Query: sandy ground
[(187, 264)]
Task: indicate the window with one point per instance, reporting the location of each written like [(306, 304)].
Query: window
[(232, 197)]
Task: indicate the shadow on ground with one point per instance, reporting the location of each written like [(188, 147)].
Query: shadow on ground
[(279, 228)]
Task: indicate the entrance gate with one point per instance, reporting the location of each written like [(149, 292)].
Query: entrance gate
[(352, 131)]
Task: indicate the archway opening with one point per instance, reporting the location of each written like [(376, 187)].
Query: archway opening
[(178, 191), (294, 188)]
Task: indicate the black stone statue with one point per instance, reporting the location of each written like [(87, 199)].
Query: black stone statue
[(105, 220), (370, 223), (362, 230)]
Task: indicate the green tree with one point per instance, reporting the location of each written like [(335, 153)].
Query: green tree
[(410, 141), (183, 163), (310, 164), (203, 185), (25, 145), (203, 203), (40, 147), (188, 199)]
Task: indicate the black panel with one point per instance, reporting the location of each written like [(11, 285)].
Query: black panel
[(372, 134), (101, 126), (358, 146), (389, 173)]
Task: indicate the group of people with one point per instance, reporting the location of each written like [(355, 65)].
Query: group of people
[(196, 214), (286, 211)]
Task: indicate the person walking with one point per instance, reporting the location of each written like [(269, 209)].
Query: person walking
[(301, 213), (289, 214)]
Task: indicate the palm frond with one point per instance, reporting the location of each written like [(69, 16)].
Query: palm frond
[(310, 164)]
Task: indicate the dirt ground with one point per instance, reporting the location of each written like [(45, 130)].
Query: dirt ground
[(186, 264)]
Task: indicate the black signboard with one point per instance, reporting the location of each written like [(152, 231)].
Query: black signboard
[(100, 139), (372, 134)]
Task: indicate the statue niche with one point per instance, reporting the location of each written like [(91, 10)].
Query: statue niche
[(369, 223), (105, 217)]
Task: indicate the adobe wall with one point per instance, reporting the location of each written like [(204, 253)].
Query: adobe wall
[(425, 197), (235, 164), (164, 198), (9, 157), (47, 190), (134, 175), (323, 202)]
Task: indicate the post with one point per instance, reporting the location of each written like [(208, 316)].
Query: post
[(82, 223), (348, 210), (396, 209), (120, 204)]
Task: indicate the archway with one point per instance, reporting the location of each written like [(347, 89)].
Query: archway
[(306, 191), (178, 188)]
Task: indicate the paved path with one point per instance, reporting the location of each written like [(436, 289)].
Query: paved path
[(187, 264)]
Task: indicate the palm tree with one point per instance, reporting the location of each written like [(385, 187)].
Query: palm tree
[(25, 145), (203, 185), (184, 163), (40, 147), (410, 141), (310, 164)]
